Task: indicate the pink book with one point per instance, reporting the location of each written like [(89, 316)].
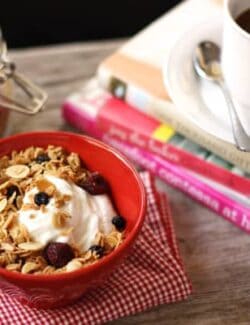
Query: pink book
[(227, 203), (125, 123)]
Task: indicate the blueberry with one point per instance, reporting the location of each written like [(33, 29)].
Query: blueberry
[(119, 222), (58, 254), (43, 157), (11, 190), (95, 184), (41, 198), (98, 250)]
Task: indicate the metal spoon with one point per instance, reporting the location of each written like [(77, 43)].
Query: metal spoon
[(206, 61)]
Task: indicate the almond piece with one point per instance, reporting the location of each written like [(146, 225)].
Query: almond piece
[(73, 265), (13, 267), (31, 246), (17, 171), (29, 267), (4, 185), (3, 204), (6, 247)]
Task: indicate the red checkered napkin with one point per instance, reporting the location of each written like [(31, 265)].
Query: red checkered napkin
[(152, 275)]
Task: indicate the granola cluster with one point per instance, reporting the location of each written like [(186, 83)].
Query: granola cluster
[(20, 172)]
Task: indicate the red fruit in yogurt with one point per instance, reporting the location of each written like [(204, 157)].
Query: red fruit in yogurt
[(58, 254), (95, 184)]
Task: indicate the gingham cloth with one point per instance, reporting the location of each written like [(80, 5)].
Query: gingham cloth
[(152, 275)]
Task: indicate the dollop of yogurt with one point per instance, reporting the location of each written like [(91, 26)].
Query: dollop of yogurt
[(89, 214)]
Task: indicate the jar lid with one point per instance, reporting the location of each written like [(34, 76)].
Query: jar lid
[(33, 97)]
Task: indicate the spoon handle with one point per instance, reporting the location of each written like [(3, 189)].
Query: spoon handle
[(240, 137)]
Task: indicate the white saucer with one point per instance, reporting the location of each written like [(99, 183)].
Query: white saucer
[(201, 101)]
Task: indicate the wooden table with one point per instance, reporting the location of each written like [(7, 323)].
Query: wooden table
[(216, 253)]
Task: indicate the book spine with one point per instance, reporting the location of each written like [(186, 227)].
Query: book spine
[(113, 122), (180, 179), (165, 111), (81, 120), (114, 117), (171, 174)]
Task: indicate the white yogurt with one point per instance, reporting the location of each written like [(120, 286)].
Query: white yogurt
[(90, 214)]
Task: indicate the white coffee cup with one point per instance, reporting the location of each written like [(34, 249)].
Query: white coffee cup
[(236, 53)]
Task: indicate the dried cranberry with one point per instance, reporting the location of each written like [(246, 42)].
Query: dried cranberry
[(41, 198), (98, 250), (119, 222), (58, 254), (95, 184), (43, 157)]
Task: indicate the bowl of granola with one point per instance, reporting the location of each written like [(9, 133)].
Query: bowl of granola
[(71, 208)]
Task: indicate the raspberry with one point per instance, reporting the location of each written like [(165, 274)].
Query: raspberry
[(41, 198), (95, 184), (58, 254), (119, 222), (43, 157), (98, 250)]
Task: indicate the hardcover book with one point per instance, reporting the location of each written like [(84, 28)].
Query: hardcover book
[(123, 122), (134, 74), (83, 113)]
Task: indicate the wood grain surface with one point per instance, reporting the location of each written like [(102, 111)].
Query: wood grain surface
[(215, 253)]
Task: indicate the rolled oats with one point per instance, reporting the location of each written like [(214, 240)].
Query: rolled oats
[(74, 161), (67, 231), (59, 219)]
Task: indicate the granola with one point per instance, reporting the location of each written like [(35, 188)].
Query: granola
[(32, 190)]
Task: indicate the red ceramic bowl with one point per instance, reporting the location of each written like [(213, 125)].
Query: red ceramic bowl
[(49, 291)]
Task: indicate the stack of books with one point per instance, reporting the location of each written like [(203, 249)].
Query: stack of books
[(127, 106)]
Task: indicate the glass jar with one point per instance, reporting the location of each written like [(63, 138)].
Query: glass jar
[(4, 113)]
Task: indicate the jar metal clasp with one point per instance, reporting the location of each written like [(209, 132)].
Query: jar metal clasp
[(35, 96)]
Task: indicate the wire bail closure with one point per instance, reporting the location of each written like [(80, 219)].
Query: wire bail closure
[(37, 97)]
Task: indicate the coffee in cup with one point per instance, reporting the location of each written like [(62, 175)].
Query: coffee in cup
[(243, 20)]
